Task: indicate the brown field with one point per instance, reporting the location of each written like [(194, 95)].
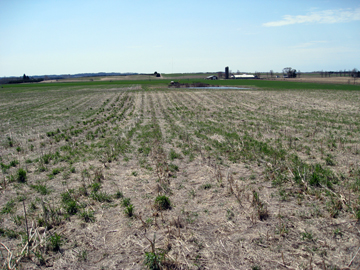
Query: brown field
[(331, 80), (255, 179)]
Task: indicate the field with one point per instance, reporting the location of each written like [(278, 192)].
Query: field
[(134, 175)]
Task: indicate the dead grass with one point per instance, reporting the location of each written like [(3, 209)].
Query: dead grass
[(328, 80), (235, 166)]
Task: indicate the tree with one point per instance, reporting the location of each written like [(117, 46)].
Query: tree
[(354, 73), (289, 72), (26, 78), (271, 73)]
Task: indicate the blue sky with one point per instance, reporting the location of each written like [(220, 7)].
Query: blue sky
[(41, 37)]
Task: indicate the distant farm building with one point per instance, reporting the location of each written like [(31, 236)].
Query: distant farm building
[(245, 76), (226, 72), (212, 77)]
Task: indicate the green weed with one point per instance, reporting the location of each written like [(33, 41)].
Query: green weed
[(42, 189), (21, 175), (87, 216), (162, 203), (125, 202), (9, 207), (307, 236), (101, 197), (173, 155), (55, 242), (129, 210)]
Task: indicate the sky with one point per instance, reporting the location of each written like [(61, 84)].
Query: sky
[(44, 37)]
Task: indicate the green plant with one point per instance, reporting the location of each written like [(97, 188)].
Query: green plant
[(154, 259), (260, 207), (83, 255), (41, 168), (129, 210), (173, 155), (101, 196), (46, 158), (307, 236), (95, 187), (13, 163), (21, 175), (338, 232), (55, 171), (66, 196), (70, 204), (173, 167), (162, 203), (207, 186), (9, 207), (4, 167), (40, 258), (118, 194), (87, 216), (55, 242), (42, 189), (11, 234), (125, 202), (10, 142), (21, 198), (357, 214), (33, 206), (149, 221), (230, 214), (71, 207), (18, 220), (329, 161)]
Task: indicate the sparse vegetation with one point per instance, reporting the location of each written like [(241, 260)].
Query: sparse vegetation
[(224, 178)]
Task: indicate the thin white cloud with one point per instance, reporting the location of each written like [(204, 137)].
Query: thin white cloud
[(326, 16), (310, 44)]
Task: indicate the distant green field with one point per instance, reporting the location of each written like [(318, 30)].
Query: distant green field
[(248, 83), (173, 75)]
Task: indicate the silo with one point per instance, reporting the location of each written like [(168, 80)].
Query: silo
[(226, 72)]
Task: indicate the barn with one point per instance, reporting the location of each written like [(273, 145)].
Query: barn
[(212, 77)]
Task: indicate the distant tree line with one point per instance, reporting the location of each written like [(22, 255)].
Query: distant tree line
[(23, 79), (341, 73)]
